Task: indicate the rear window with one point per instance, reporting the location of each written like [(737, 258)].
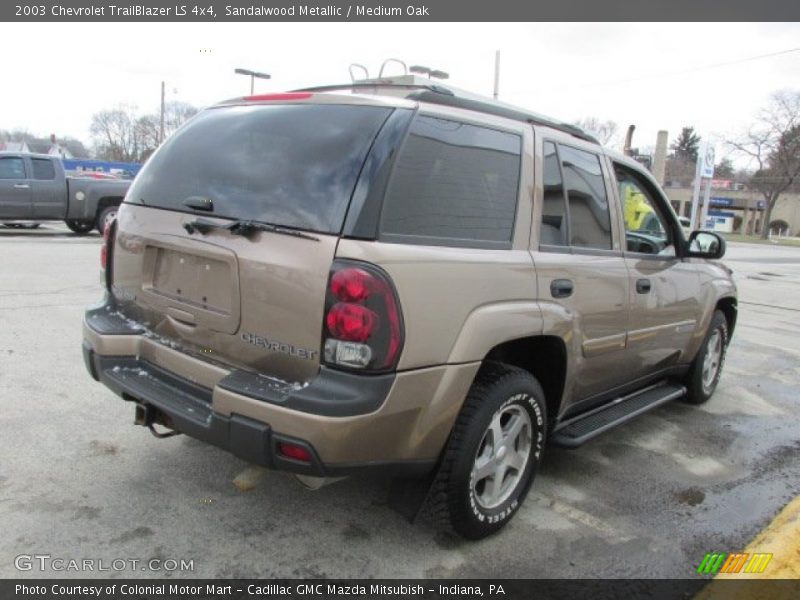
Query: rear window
[(453, 184), (289, 165), (43, 169)]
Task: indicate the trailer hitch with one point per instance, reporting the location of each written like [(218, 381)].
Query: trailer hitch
[(148, 416)]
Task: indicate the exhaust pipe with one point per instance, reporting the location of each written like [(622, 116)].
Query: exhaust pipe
[(314, 483), (626, 149)]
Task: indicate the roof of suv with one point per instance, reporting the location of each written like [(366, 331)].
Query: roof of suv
[(30, 154), (403, 89), (420, 89)]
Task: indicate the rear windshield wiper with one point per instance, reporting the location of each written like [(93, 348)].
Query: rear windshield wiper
[(243, 228)]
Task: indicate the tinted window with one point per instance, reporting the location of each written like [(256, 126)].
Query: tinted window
[(645, 227), (43, 168), (294, 166), (12, 168), (590, 222), (454, 181), (554, 214)]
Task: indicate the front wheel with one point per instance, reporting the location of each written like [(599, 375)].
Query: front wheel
[(707, 366), (493, 453), (79, 227)]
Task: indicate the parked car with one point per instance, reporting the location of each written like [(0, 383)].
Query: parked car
[(397, 276), (34, 188)]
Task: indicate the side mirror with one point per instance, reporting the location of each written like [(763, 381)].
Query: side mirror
[(705, 244)]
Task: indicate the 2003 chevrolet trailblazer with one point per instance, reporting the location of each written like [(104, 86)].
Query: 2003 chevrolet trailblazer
[(395, 275)]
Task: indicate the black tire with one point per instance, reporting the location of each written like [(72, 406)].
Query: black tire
[(455, 499), (79, 227), (700, 383), (104, 216)]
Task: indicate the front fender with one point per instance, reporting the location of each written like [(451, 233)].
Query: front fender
[(716, 284)]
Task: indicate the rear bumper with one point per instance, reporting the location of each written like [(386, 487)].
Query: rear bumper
[(187, 408), (404, 423)]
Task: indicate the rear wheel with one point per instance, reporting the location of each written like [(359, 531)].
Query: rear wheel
[(493, 453), (707, 366), (79, 227), (105, 217)]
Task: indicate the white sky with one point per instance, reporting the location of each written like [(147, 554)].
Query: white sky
[(55, 76)]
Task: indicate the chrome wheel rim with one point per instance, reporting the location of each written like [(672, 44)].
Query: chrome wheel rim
[(712, 360), (502, 456)]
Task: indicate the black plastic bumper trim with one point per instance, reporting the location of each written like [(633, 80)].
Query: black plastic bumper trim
[(188, 407), (331, 393), (106, 321)]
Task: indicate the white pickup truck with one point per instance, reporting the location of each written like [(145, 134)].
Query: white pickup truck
[(35, 188)]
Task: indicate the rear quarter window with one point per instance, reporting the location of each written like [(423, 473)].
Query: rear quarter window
[(43, 169), (453, 184)]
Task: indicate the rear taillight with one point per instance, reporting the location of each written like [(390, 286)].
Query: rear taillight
[(106, 249), (363, 326), (294, 451)]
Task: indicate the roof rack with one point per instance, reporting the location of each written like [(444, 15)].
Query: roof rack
[(499, 110), (422, 90), (377, 83)]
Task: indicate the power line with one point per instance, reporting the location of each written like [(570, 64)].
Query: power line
[(691, 70)]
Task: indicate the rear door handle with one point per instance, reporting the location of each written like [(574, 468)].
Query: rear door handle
[(21, 186), (561, 288), (643, 286)]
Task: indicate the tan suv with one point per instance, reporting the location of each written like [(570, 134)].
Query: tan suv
[(401, 276)]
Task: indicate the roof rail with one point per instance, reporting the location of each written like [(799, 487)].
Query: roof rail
[(422, 90), (499, 110), (375, 83)]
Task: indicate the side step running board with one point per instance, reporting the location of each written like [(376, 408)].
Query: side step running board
[(581, 429)]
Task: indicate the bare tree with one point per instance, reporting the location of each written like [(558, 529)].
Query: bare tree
[(604, 131), (115, 134), (773, 144), (122, 134), (176, 114)]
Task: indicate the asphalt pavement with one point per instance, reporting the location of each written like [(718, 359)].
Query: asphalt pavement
[(649, 499)]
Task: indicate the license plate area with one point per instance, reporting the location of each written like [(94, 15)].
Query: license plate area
[(194, 279)]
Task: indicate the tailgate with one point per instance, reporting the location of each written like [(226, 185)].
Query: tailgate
[(249, 299), (252, 303)]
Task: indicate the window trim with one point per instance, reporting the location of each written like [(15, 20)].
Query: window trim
[(451, 242), (612, 213)]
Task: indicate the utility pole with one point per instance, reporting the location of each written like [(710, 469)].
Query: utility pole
[(161, 129), (496, 74)]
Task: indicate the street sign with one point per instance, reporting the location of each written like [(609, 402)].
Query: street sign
[(706, 159), (721, 201)]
